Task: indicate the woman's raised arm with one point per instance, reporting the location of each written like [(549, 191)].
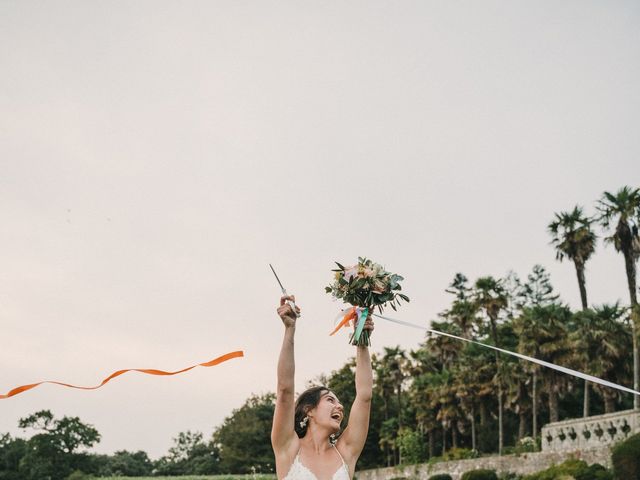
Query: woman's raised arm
[(282, 431), (354, 436)]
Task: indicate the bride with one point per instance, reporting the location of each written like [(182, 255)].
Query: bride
[(304, 431)]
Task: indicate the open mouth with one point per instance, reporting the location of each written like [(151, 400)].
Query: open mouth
[(336, 416)]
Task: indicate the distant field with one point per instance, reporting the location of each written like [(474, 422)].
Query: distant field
[(199, 477)]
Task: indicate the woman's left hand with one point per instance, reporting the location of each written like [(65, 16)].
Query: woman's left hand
[(368, 323)]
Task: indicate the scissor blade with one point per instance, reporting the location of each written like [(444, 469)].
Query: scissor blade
[(279, 282)]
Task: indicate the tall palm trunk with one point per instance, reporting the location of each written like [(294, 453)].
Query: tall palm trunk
[(400, 425), (630, 266), (534, 406), (582, 284), (583, 297), (484, 416), (494, 332), (473, 427), (554, 415), (432, 442), (609, 402), (500, 420), (444, 440), (522, 425)]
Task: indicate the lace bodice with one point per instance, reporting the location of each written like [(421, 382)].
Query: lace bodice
[(299, 472)]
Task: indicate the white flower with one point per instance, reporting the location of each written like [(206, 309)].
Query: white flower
[(350, 272)]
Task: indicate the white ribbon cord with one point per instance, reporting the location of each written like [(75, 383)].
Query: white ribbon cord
[(553, 366)]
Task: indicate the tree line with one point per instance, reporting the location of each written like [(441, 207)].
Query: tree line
[(446, 398)]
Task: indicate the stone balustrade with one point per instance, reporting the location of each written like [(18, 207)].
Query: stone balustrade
[(589, 439), (591, 432), (524, 464)]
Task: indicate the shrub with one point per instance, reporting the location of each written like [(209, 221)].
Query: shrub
[(411, 446), (625, 458), (460, 454), (509, 476), (576, 469), (440, 476), (480, 474), (79, 475)]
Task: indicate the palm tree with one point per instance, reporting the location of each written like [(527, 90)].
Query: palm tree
[(445, 402), (390, 377), (423, 367), (463, 312), (574, 239), (475, 387), (623, 209), (445, 349), (602, 340), (491, 297), (517, 399), (543, 334), (528, 331)]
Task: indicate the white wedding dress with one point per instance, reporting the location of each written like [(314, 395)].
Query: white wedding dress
[(299, 472)]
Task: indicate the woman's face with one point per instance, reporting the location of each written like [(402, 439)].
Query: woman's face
[(329, 412)]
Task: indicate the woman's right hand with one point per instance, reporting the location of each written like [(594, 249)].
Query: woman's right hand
[(286, 312)]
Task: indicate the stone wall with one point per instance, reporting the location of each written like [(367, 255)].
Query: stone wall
[(591, 432), (589, 439), (522, 464)]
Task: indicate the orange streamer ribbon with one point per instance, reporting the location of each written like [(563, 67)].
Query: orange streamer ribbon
[(351, 315), (149, 371)]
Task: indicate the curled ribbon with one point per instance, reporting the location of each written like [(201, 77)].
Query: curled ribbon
[(149, 371), (349, 315), (553, 366)]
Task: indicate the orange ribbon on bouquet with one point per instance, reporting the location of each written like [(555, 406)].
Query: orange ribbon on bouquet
[(149, 371), (351, 314)]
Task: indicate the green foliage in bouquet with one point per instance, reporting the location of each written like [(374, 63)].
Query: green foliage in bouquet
[(367, 284)]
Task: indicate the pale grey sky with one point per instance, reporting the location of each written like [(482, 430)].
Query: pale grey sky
[(157, 155)]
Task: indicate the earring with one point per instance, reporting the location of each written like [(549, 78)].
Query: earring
[(304, 421), (332, 439)]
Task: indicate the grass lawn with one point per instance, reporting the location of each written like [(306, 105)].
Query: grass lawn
[(200, 477)]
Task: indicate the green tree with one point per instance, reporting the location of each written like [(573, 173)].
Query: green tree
[(623, 210), (411, 446), (128, 464), (543, 334), (445, 402), (463, 311), (601, 342), (574, 239), (420, 393), (244, 438), (491, 297), (537, 291), (11, 452), (189, 455), (58, 447), (390, 374)]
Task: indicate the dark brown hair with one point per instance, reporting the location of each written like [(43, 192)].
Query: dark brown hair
[(308, 400)]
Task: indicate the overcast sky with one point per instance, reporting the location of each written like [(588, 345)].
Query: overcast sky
[(156, 156)]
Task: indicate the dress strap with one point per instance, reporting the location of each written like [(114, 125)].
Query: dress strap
[(343, 462)]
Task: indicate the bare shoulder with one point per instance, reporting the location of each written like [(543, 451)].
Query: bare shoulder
[(285, 457)]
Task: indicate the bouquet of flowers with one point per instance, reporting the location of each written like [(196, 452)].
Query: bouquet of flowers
[(365, 286)]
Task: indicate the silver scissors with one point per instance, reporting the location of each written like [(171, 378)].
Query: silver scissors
[(284, 292)]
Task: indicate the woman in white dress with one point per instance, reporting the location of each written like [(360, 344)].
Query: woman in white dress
[(303, 431)]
